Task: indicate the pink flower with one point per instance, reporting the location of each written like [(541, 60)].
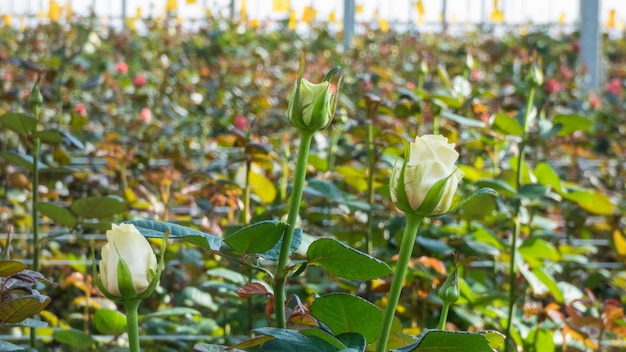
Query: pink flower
[(410, 85), (553, 86), (121, 67), (140, 80), (476, 75), (595, 102), (614, 86), (566, 72), (80, 109), (241, 123), (145, 115)]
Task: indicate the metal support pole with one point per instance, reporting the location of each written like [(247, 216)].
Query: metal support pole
[(124, 14), (444, 16), (590, 43), (348, 22)]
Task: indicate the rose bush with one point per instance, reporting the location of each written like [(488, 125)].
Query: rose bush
[(431, 160)]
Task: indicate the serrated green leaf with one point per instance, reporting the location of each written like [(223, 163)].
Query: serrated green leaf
[(9, 347), (507, 125), (49, 136), (344, 261), (98, 207), (20, 160), (323, 188), (18, 122), (495, 338), (344, 313), (274, 252), (291, 340), (173, 312), (448, 341), (532, 191), (353, 340), (571, 123), (500, 186), (111, 322), (592, 201), (58, 214), (157, 229), (550, 283), (10, 267), (462, 120), (74, 338), (323, 335), (547, 176), (259, 237)]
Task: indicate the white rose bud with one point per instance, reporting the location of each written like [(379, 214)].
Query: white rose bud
[(128, 263), (429, 177), (311, 105)]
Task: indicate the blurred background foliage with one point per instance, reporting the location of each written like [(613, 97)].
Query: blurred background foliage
[(166, 125)]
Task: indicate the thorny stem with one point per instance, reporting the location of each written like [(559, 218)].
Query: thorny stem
[(413, 222), (294, 208)]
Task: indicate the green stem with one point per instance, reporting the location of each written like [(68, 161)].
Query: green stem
[(444, 316), (436, 124), (413, 222), (332, 152), (371, 162), (294, 209), (131, 306), (246, 194), (516, 219), (35, 213), (285, 176)]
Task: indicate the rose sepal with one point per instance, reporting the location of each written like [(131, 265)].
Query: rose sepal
[(132, 295)]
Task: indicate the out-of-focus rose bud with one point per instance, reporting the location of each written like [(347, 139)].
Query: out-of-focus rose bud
[(80, 109), (140, 80), (241, 123), (121, 67), (146, 115)]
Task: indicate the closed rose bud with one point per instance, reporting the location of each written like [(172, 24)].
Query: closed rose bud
[(140, 80), (535, 76), (121, 67), (311, 106), (128, 263), (449, 291), (427, 181)]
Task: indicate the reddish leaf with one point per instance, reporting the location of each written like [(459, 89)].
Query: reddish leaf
[(269, 308), (252, 288)]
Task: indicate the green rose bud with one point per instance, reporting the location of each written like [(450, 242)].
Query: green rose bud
[(312, 105), (35, 97), (535, 76), (423, 67), (469, 61), (426, 183), (449, 291), (128, 267)]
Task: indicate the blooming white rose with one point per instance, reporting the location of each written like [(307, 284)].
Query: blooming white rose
[(431, 159), (127, 244)]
